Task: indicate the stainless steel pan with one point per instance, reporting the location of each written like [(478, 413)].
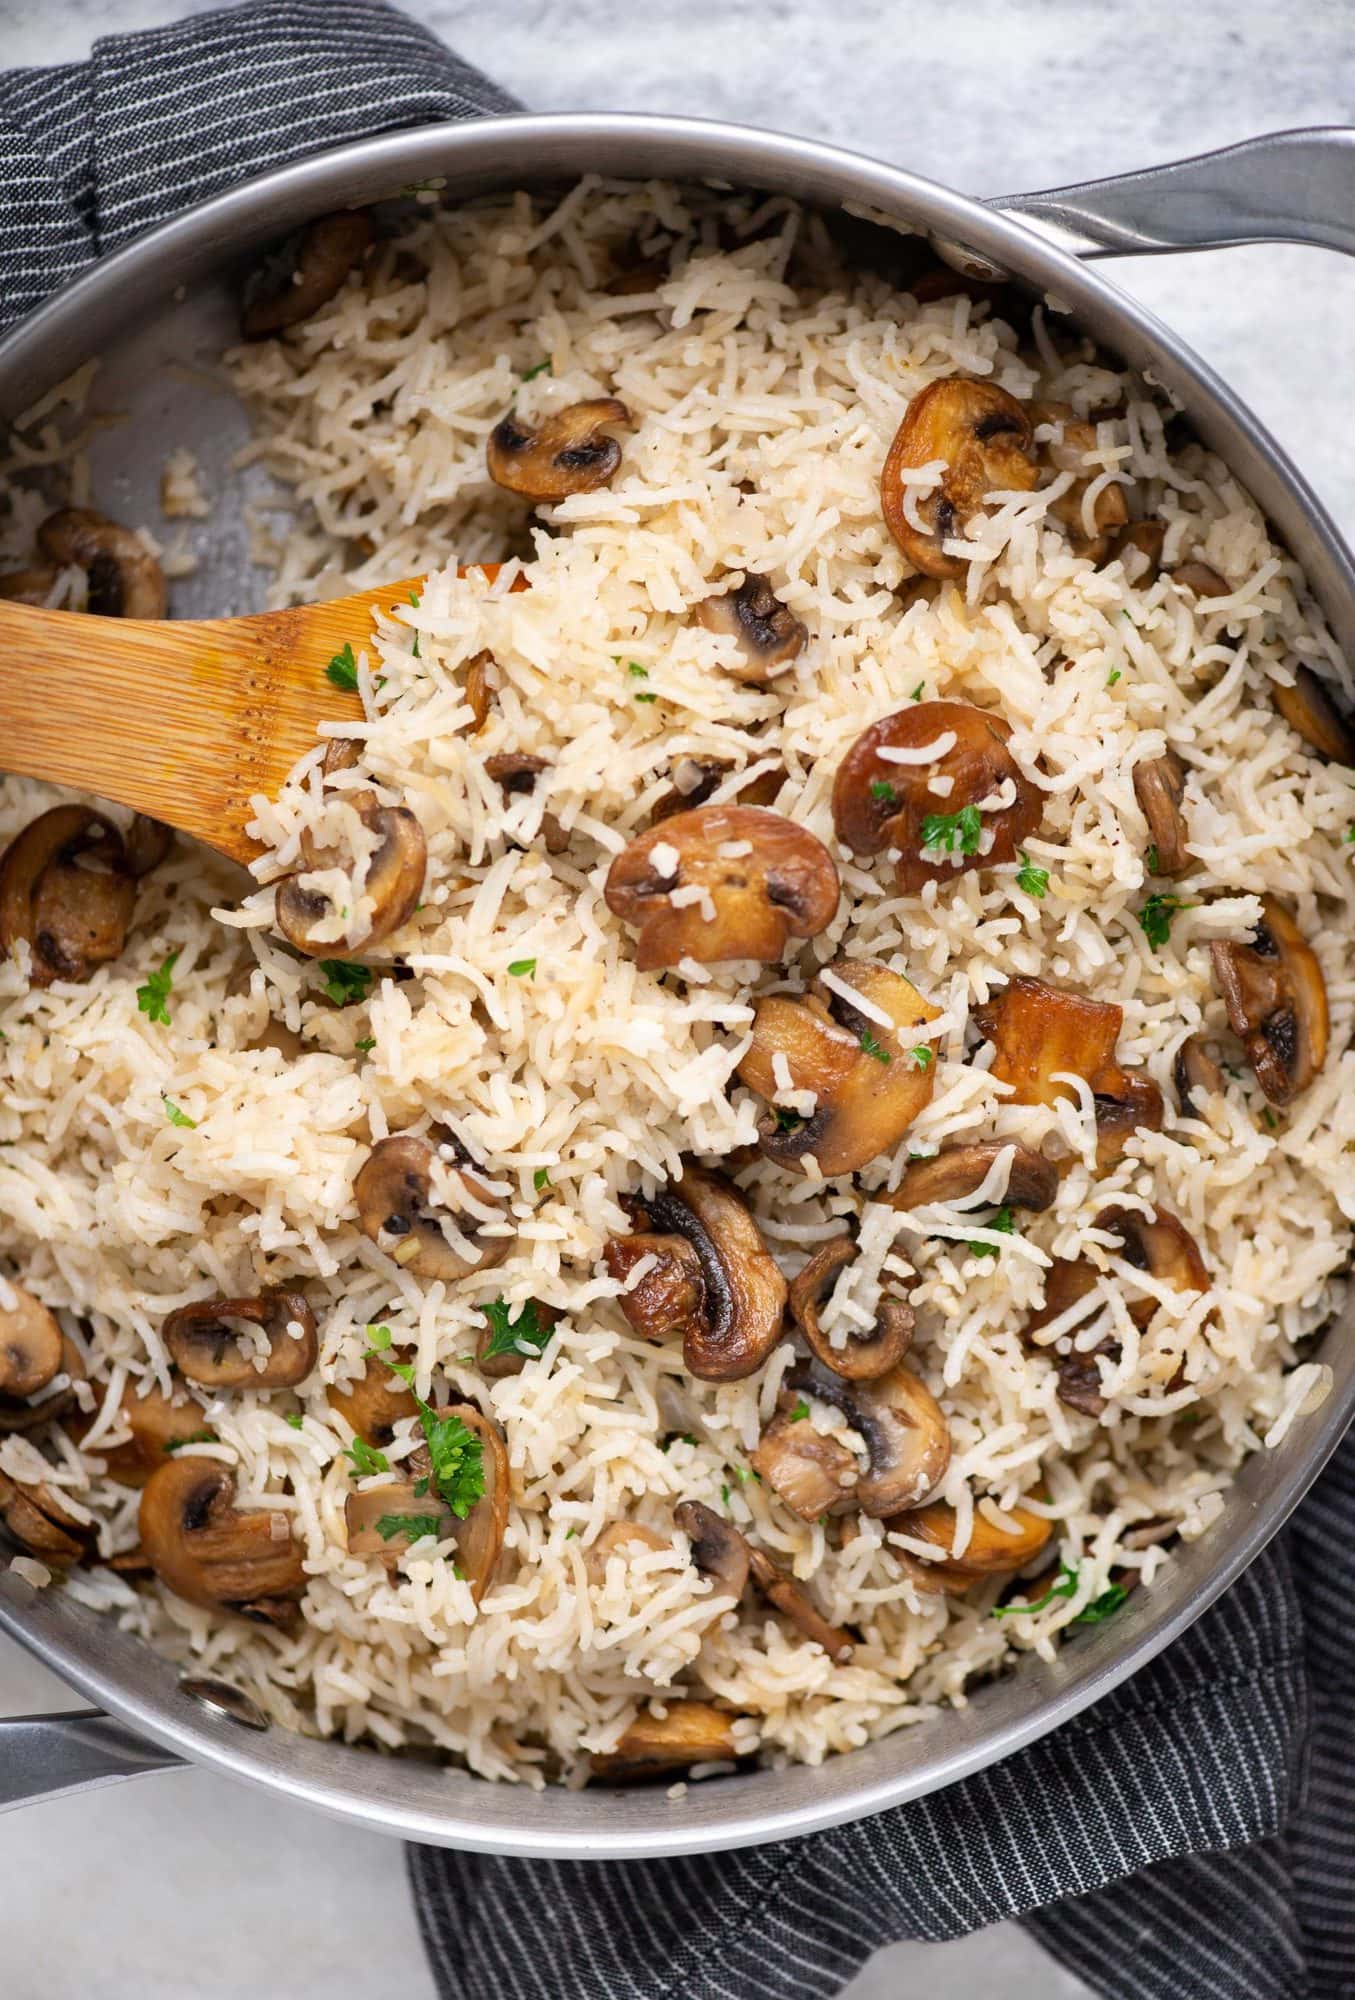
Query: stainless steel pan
[(159, 313)]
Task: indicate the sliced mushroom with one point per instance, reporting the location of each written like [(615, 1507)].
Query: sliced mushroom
[(56, 1397), (30, 1343), (1196, 1075), (793, 1601), (124, 578), (67, 892), (669, 1298), (305, 914), (1310, 709), (209, 1552), (692, 1732), (880, 804), (479, 688), (621, 1538), (29, 586), (479, 1534), (740, 1295), (1277, 1002), (515, 770), (769, 636), (722, 882), (719, 1551), (147, 842), (957, 1172), (861, 1356), (206, 1344), (306, 273), (1040, 1032), (1067, 452), (990, 1551), (983, 437), (569, 452), (905, 1432), (396, 1209), (388, 1520), (1138, 547), (870, 1080), (373, 1403), (814, 1474), (37, 1517), (158, 1423), (1159, 787), (695, 778), (497, 1367), (1200, 578)]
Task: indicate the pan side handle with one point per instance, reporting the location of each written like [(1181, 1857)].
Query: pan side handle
[(42, 1756), (1286, 187)]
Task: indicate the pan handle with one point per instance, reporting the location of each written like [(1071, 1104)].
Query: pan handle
[(1286, 187), (42, 1756)]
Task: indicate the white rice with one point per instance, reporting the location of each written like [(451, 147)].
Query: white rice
[(762, 416)]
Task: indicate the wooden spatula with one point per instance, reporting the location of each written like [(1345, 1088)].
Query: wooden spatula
[(184, 719)]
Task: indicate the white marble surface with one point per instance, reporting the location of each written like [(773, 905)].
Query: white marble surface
[(188, 1887)]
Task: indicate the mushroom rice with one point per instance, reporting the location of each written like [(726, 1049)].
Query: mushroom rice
[(776, 1124)]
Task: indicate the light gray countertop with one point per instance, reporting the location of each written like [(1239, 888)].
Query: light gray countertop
[(184, 1887)]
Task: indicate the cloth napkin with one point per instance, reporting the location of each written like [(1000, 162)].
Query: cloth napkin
[(1194, 1833)]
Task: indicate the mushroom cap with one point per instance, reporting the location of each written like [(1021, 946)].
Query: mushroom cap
[(718, 1549), (983, 437), (305, 273), (1138, 547), (30, 1344), (880, 804), (29, 586), (18, 1413), (769, 636), (146, 842), (66, 890), (779, 882), (865, 1101), (743, 1292), (959, 1171), (691, 1732), (1040, 1032), (905, 1431), (569, 452), (393, 1189), (125, 580), (206, 1348), (373, 1403), (862, 1355), (1159, 787), (1311, 709), (1201, 579), (989, 1552), (813, 1473), (209, 1552), (395, 875), (1277, 1002)]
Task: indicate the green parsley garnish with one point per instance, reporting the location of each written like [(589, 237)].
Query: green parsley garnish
[(415, 599), (724, 1495), (1035, 881), (882, 790), (922, 1056), (1272, 1122), (435, 186), (541, 368), (640, 673), (1064, 1585), (456, 1453), (151, 997), (294, 1419), (345, 982), (940, 831), (414, 652), (917, 693), (1102, 1607), (177, 1117), (365, 1459), (570, 1534), (415, 1526), (1349, 836), (198, 1437), (786, 1119), (1113, 676), (1151, 859), (541, 1178), (522, 968), (342, 671), (743, 1473), (528, 1333), (872, 1048), (646, 697), (366, 1045), (1155, 918), (1005, 1225), (799, 1413)]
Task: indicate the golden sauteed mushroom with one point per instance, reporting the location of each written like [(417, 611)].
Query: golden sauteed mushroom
[(1067, 452), (769, 637), (569, 452), (623, 1539), (793, 1601), (147, 842), (388, 1520), (157, 1423), (305, 913), (715, 1285), (24, 1350), (813, 1473), (1201, 579), (871, 1076), (691, 1732), (1039, 1032), (495, 1367), (1277, 1002), (30, 1343), (1159, 787), (719, 1551), (373, 1403), (124, 578), (205, 1342), (959, 1171), (990, 1550), (880, 804), (695, 778), (983, 437), (28, 586), (209, 1552), (306, 273), (37, 1517), (1138, 546), (722, 882), (479, 1533), (396, 1209), (906, 1435), (861, 1355), (67, 891), (1196, 1076), (1310, 708)]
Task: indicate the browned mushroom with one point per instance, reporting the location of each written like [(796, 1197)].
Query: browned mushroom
[(29, 586), (373, 1403), (990, 1551), (903, 1427), (729, 1304), (882, 804), (158, 1423), (1040, 1032), (957, 1172), (624, 1539), (864, 1059), (56, 1397), (305, 913), (793, 1601), (209, 1552), (569, 452), (124, 578), (691, 1732), (718, 1549), (1277, 1002), (388, 1520), (1159, 787), (768, 637), (862, 1355), (1067, 452), (30, 1343), (814, 1474), (1138, 547), (1310, 709), (515, 770), (1196, 1075), (217, 1342), (147, 842), (305, 273), (1200, 578), (695, 778), (669, 1296), (37, 1517), (67, 892), (396, 1209), (983, 437), (478, 1533), (722, 882)]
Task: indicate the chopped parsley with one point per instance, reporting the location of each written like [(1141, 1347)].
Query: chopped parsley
[(1151, 859), (1035, 881), (153, 996), (1272, 1122), (922, 1056), (1065, 1585), (528, 1333), (1113, 676), (918, 691), (1005, 1225), (541, 1178), (294, 1418), (198, 1437), (415, 599), (786, 1119), (457, 1454), (1155, 918), (883, 791), (414, 653), (1102, 1607), (724, 1495), (415, 1526), (541, 368), (940, 831), (522, 968), (876, 1050), (177, 1117), (345, 982), (799, 1413), (640, 673), (342, 671), (366, 1045), (679, 1437), (646, 697), (365, 1459)]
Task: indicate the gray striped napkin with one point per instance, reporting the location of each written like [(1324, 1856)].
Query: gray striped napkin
[(1192, 1835)]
